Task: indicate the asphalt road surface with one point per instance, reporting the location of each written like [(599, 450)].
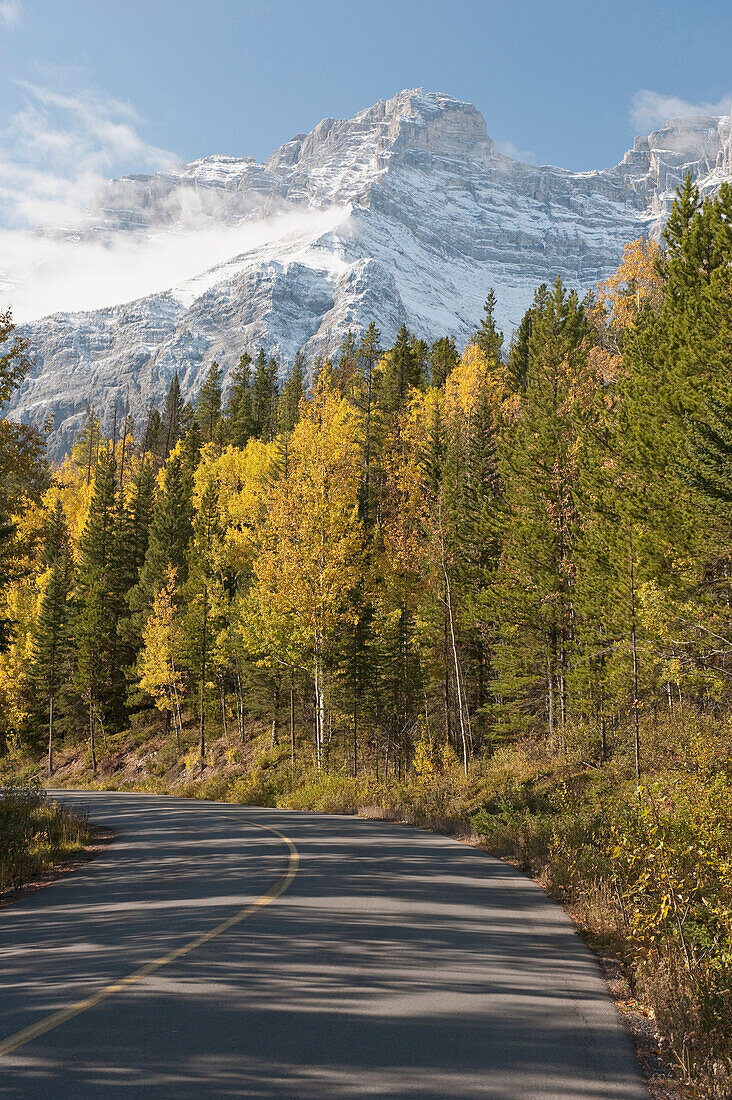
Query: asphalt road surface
[(203, 955)]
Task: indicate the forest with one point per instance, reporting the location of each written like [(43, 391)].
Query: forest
[(488, 586)]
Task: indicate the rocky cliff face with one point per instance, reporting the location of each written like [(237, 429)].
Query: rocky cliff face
[(405, 213)]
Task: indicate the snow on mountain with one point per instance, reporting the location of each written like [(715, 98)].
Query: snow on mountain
[(405, 213)]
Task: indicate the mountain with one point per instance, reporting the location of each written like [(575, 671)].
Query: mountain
[(405, 213)]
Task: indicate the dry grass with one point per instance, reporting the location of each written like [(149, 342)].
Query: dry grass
[(35, 833)]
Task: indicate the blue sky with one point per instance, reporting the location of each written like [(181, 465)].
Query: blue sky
[(556, 80)]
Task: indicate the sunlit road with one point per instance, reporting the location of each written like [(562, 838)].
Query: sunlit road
[(394, 963)]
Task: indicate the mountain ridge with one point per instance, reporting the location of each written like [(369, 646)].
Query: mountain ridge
[(406, 213)]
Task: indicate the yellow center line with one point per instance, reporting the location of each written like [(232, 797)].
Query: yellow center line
[(7, 1046)]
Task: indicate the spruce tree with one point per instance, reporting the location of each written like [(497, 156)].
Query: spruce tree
[(368, 354), (488, 338), (204, 597), (293, 392), (99, 604), (208, 406), (264, 392), (170, 532), (171, 424), (443, 358), (151, 437), (7, 531), (401, 371), (52, 643), (135, 524), (239, 418)]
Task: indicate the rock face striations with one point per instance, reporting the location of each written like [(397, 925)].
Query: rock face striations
[(405, 213)]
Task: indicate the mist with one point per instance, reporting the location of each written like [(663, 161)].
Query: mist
[(41, 275)]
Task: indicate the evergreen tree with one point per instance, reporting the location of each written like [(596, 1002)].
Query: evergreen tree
[(402, 371), (52, 643), (208, 406), (203, 598), (264, 397), (6, 553), (169, 534), (239, 416), (537, 561), (99, 604), (171, 424), (293, 392), (346, 365), (368, 354), (151, 437), (443, 357), (86, 444), (135, 527), (488, 338)]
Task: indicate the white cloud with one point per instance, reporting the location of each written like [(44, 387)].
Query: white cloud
[(510, 150), (57, 149), (42, 274), (11, 13), (65, 243), (652, 109)]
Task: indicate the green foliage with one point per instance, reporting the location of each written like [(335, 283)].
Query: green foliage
[(34, 833)]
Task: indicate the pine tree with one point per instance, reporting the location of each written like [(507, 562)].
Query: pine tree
[(151, 437), (99, 603), (368, 354), (264, 397), (7, 531), (171, 424), (538, 570), (293, 392), (401, 371), (135, 527), (443, 357), (52, 641), (239, 416), (170, 532), (86, 444), (488, 338), (208, 406), (346, 365), (203, 597)]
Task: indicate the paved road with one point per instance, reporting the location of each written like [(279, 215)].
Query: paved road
[(394, 963)]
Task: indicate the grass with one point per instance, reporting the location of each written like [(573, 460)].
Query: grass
[(35, 833)]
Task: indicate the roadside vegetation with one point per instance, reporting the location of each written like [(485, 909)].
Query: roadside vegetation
[(35, 833), (486, 590)]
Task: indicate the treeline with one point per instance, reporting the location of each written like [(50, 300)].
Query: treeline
[(423, 552)]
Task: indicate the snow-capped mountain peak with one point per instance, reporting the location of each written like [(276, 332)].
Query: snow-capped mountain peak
[(406, 212)]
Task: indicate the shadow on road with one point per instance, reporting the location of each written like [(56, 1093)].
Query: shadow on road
[(398, 964)]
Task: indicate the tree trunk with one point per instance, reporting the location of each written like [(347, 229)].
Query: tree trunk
[(292, 719), (550, 700), (204, 655), (50, 735), (275, 707), (446, 664), (91, 737), (458, 686), (222, 693), (634, 646)]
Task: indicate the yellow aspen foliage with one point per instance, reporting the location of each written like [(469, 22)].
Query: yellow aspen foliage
[(71, 488), (635, 283), (21, 604), (310, 539), (473, 376), (244, 485), (162, 637)]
